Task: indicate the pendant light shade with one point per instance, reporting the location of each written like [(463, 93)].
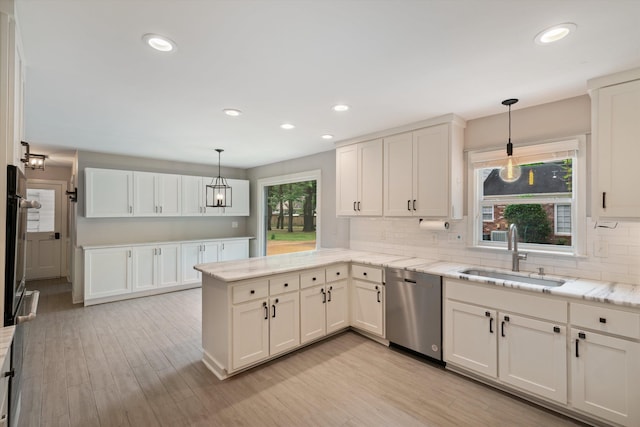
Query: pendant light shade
[(511, 171), (218, 192)]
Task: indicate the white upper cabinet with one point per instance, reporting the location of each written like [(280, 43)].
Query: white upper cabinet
[(118, 193), (192, 196), (156, 194), (616, 130), (359, 179), (109, 193), (423, 172)]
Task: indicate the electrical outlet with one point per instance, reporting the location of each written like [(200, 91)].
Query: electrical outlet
[(601, 249), (234, 224)]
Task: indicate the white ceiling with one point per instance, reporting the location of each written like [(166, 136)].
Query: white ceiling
[(91, 83)]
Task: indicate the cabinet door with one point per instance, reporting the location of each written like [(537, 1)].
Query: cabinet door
[(617, 151), (284, 323), (398, 175), (337, 306), (604, 377), (190, 254), (109, 193), (145, 202), (367, 307), (347, 180), (239, 198), (192, 195), (210, 252), (470, 338), (144, 267), (168, 265), (431, 171), (169, 194), (233, 250), (533, 356), (370, 178), (313, 323), (250, 333), (107, 272)]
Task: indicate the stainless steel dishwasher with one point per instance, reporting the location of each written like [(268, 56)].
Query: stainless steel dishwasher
[(414, 311)]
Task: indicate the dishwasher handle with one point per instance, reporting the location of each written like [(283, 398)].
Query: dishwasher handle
[(410, 281)]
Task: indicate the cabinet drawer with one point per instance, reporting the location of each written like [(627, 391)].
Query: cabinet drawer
[(250, 291), (337, 272), (606, 320), (282, 284), (371, 274), (311, 278)]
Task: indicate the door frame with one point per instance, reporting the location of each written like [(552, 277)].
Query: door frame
[(64, 221), (263, 183)]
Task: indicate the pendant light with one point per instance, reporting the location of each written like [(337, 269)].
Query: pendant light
[(511, 171), (218, 193)]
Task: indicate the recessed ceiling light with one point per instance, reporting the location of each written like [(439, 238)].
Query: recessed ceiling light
[(287, 126), (555, 33), (232, 112), (340, 107), (161, 43), (327, 136)]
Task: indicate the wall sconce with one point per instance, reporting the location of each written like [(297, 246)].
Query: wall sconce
[(73, 195), (32, 160)]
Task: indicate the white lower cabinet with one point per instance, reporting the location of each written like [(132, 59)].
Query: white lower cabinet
[(107, 272), (605, 369), (156, 266), (284, 323), (266, 325), (367, 299), (231, 250), (533, 356), (250, 333), (120, 272), (470, 338), (313, 320), (194, 253), (483, 336)]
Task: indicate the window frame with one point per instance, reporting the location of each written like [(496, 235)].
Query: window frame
[(532, 152)]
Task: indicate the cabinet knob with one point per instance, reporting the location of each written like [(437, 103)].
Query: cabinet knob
[(286, 285), (556, 329), (365, 273), (313, 278), (603, 320), (252, 292), (338, 273)]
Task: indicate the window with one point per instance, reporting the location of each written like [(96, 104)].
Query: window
[(43, 219), (563, 219), (545, 202), (487, 213), (287, 206)]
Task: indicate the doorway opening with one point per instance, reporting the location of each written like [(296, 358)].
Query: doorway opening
[(289, 221)]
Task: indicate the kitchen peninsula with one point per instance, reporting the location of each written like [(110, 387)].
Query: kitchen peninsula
[(258, 309)]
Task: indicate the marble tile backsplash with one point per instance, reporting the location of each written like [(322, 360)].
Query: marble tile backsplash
[(613, 254)]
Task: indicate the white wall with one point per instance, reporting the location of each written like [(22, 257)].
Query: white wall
[(334, 231), (620, 260)]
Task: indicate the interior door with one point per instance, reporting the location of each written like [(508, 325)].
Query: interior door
[(44, 231)]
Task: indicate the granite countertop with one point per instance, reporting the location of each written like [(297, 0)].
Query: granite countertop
[(588, 290), (6, 338)]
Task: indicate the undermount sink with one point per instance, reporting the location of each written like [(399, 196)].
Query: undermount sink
[(513, 277)]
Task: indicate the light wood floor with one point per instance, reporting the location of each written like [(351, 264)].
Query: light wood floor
[(137, 363)]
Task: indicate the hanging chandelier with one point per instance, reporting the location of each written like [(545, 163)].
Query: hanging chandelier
[(510, 171), (218, 193)]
